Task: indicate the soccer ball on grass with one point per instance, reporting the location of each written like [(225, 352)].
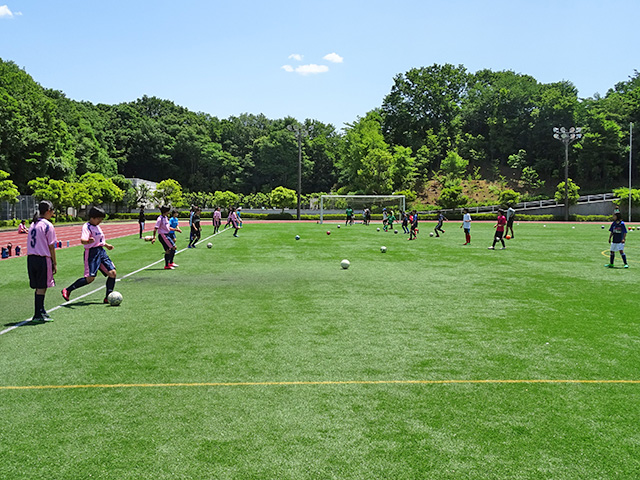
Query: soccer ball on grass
[(209, 245), (345, 264), (114, 298)]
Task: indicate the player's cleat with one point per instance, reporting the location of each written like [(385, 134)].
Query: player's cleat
[(235, 235), (174, 265), (609, 265), (37, 319), (65, 294), (503, 248), (46, 317), (491, 248), (106, 300), (626, 266), (169, 267), (466, 243)]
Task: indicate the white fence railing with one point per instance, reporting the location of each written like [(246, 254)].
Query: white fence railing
[(536, 204)]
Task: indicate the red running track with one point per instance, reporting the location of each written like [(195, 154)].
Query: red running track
[(71, 234)]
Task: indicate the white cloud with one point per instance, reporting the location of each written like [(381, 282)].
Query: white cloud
[(296, 56), (333, 57), (310, 69), (5, 12)]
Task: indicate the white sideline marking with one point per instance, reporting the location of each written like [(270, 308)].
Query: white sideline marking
[(13, 327)]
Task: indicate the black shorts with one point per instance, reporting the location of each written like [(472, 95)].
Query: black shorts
[(510, 223), (38, 268), (499, 235)]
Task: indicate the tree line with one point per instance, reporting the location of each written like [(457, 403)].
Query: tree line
[(436, 122)]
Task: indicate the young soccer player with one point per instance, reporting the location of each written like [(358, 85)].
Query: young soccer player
[(349, 214), (441, 219), (405, 221), (95, 258), (162, 229), (617, 238), (174, 222), (384, 218), (141, 220), (196, 230), (466, 224), (217, 220), (499, 226), (390, 219), (511, 216), (41, 258), (233, 219), (414, 225)]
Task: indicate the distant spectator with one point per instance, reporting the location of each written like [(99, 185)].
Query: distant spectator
[(22, 228)]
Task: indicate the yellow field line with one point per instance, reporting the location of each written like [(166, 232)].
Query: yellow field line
[(328, 382)]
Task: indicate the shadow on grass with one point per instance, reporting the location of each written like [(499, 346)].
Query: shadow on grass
[(83, 303)]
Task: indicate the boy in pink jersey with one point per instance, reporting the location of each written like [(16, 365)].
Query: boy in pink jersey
[(95, 258), (41, 257), (162, 229), (499, 226)]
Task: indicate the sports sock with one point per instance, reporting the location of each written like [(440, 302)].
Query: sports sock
[(111, 283), (624, 258), (81, 282), (167, 259), (39, 305), (612, 257), (172, 255)]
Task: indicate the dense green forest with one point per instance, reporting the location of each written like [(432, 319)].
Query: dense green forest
[(437, 120)]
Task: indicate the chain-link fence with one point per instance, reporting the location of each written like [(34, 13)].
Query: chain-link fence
[(23, 209)]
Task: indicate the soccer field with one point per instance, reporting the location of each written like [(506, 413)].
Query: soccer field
[(262, 358)]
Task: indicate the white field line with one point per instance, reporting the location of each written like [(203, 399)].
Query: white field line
[(24, 322)]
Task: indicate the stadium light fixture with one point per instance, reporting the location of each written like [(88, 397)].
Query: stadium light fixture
[(567, 136)]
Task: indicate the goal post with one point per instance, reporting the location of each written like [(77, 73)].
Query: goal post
[(339, 203)]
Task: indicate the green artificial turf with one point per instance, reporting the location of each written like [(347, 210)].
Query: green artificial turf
[(263, 358)]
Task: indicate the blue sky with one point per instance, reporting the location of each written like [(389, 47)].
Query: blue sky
[(328, 60)]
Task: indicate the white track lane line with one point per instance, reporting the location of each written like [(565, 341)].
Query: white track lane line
[(13, 327)]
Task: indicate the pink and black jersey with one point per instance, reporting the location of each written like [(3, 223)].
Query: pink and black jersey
[(502, 221), (41, 235), (162, 224), (95, 232)]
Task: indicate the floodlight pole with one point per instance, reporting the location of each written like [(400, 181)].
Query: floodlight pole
[(630, 156), (566, 136), (298, 131)]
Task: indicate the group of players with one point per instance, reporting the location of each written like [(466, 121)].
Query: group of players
[(504, 224), (41, 248)]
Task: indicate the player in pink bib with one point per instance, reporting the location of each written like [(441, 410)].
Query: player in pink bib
[(95, 258), (41, 257), (162, 229)]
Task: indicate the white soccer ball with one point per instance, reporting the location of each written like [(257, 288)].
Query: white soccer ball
[(297, 237), (114, 298), (378, 229), (383, 249), (338, 226), (431, 234), (395, 231), (345, 263), (209, 245)]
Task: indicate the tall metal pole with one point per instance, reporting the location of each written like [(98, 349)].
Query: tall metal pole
[(299, 169), (630, 156), (566, 181)]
